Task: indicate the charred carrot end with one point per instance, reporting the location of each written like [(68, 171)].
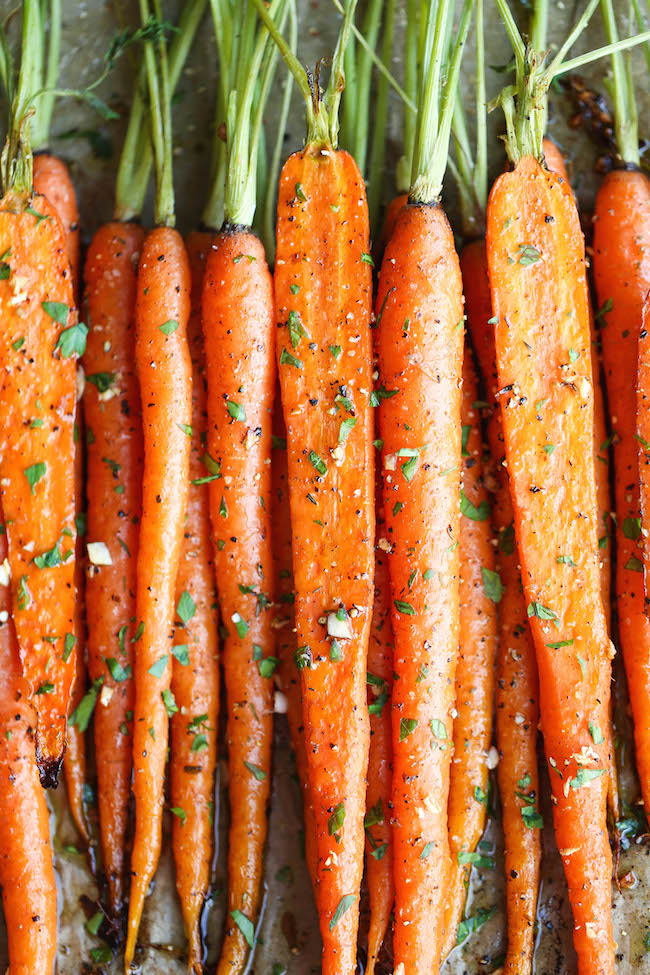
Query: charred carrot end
[(195, 668), (517, 709), (239, 333), (164, 372), (621, 240), (420, 319), (113, 436), (379, 839), (37, 354), (481, 591), (52, 180), (536, 262), (325, 358)]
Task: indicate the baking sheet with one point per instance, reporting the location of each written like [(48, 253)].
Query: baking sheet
[(288, 933)]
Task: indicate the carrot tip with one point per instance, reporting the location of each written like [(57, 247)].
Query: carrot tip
[(48, 770)]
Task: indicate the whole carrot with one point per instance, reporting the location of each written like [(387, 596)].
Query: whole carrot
[(621, 262), (517, 691), (480, 592), (323, 304), (539, 296), (379, 842), (52, 180), (238, 328), (195, 670), (420, 321), (29, 893), (37, 352), (114, 444), (165, 376), (114, 478)]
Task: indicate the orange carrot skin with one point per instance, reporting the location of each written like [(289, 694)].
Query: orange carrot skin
[(420, 351), (468, 788), (38, 384), (75, 757), (556, 163), (288, 673), (29, 894), (114, 448), (195, 684), (165, 375), (323, 307), (553, 364), (52, 180), (390, 217), (238, 328), (621, 262), (517, 690), (379, 842)]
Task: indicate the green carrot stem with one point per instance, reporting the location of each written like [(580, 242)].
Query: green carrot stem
[(539, 25), (245, 129), (411, 84), (641, 24), (318, 128), (409, 99), (336, 84), (361, 91), (602, 52), (268, 229), (378, 148), (437, 106), (136, 159), (16, 164), (43, 108), (625, 116)]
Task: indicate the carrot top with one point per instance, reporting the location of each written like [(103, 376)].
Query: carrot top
[(470, 168), (524, 103), (437, 99), (322, 109), (137, 155), (245, 83)]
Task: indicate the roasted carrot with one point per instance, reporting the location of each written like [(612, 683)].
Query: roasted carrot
[(480, 592), (323, 304), (379, 842), (164, 373), (420, 320), (536, 265), (517, 707), (195, 669), (113, 418), (29, 894), (37, 355), (112, 414), (238, 328), (621, 262), (288, 673), (52, 180), (559, 566)]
